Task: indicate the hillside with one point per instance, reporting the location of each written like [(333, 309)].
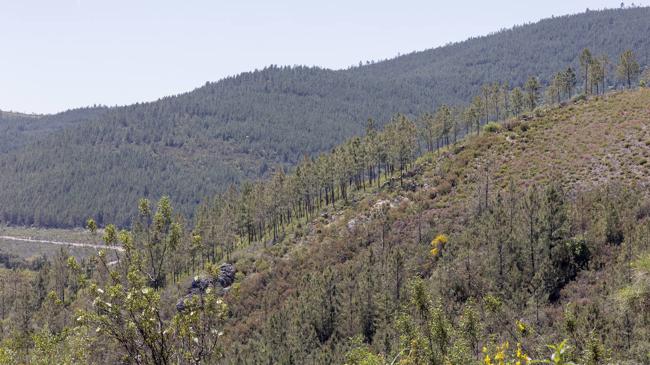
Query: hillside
[(584, 163), (195, 144), (18, 130), (528, 233)]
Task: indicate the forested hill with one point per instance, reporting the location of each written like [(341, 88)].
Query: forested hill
[(18, 129), (192, 145), (530, 232), (452, 73), (527, 239)]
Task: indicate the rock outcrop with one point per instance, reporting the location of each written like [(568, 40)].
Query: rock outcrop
[(221, 283)]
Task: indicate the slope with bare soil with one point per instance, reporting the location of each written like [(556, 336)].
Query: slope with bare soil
[(381, 238)]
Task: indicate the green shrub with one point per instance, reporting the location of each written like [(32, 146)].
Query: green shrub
[(492, 127), (579, 97)]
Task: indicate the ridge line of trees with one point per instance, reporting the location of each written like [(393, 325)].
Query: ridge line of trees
[(261, 211)]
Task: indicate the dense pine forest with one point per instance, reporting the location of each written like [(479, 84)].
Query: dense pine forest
[(60, 169), (508, 229), (18, 130)]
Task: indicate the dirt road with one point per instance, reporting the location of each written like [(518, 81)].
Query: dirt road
[(73, 244)]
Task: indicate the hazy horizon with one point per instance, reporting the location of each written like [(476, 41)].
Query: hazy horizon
[(76, 54)]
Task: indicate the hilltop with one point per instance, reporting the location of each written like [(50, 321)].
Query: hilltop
[(98, 162)]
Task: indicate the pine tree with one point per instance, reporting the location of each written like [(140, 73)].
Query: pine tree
[(477, 106), (443, 118), (628, 68), (368, 310), (596, 75), (517, 101), (532, 92), (554, 217), (570, 81), (586, 60)]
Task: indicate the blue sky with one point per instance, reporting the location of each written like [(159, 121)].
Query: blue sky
[(61, 54)]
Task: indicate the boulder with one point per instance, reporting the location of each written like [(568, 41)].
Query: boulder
[(409, 186), (200, 284), (221, 283), (226, 275)]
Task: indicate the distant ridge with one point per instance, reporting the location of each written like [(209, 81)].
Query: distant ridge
[(63, 168)]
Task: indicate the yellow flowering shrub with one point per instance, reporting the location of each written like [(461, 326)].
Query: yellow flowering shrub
[(437, 244), (440, 239), (502, 355), (522, 328)]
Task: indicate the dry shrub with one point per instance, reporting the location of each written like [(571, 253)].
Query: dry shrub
[(511, 124), (444, 188)]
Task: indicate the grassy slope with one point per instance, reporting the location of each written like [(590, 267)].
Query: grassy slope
[(585, 145)]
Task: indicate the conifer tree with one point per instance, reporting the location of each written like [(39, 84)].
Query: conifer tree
[(628, 68), (517, 101), (443, 118), (477, 106), (586, 60), (532, 92), (569, 81), (596, 75)]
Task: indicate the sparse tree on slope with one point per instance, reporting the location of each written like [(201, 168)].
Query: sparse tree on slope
[(532, 92), (585, 62), (596, 75), (518, 102), (570, 81), (628, 68)]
